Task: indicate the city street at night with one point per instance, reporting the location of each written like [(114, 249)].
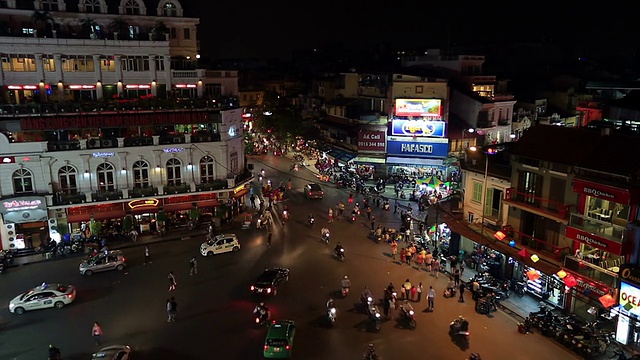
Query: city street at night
[(214, 307)]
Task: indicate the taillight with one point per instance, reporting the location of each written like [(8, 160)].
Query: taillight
[(70, 296), (287, 347), (124, 259), (266, 347), (269, 291)]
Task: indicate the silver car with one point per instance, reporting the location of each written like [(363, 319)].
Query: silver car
[(103, 261), (42, 297), (113, 352)]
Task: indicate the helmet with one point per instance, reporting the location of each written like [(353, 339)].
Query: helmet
[(51, 346), (261, 303)]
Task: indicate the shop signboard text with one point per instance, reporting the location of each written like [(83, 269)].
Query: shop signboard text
[(420, 148), (594, 240), (431, 108), (373, 141), (400, 127)]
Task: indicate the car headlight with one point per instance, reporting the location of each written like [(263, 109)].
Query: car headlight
[(12, 306)]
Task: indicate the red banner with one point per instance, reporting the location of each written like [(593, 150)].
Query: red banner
[(616, 195), (594, 240), (369, 140), (594, 288), (113, 120)]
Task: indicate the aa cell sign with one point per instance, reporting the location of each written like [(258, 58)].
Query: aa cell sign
[(372, 141)]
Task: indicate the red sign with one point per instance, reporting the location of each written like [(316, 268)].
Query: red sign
[(113, 120), (369, 140), (594, 241), (616, 195), (583, 284)]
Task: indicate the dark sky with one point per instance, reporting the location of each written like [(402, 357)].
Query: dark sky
[(232, 29)]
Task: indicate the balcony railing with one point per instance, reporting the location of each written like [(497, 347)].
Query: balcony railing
[(68, 199), (591, 271), (604, 229), (543, 246), (106, 195), (177, 189), (504, 122), (172, 139), (109, 107), (526, 200), (138, 141), (205, 137), (213, 185), (137, 192)]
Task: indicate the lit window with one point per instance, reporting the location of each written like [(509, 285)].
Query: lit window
[(174, 172), (106, 177), (140, 174), (207, 169), (22, 181), (67, 176)]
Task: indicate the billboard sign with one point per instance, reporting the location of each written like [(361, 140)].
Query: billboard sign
[(418, 148), (423, 108), (400, 127), (373, 141)]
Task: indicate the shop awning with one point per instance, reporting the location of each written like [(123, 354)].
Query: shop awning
[(346, 157), (177, 207), (209, 203), (145, 210), (393, 160), (334, 153), (369, 160), (240, 193), (102, 215)]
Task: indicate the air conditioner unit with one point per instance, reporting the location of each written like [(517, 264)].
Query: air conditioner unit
[(64, 147), (60, 215), (107, 143)]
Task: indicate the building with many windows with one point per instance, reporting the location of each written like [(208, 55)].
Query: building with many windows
[(104, 113)]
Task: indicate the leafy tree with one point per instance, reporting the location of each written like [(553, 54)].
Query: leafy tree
[(88, 26), (127, 223), (194, 214), (95, 227), (121, 26), (158, 32), (44, 19)]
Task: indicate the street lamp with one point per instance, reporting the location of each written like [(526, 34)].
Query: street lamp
[(470, 131), (484, 186)]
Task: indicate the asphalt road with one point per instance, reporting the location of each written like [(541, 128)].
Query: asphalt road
[(215, 319)]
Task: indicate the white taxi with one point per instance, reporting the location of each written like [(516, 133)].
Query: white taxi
[(42, 297), (220, 244)]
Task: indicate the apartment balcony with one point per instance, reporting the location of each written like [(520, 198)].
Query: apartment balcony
[(205, 137), (138, 192), (539, 245), (106, 195), (212, 185), (172, 139), (537, 205), (603, 229), (504, 122), (591, 271), (63, 145), (137, 141), (485, 124), (370, 91), (63, 198), (188, 74), (177, 189), (107, 107)]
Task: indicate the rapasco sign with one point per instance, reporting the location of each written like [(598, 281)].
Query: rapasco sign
[(594, 240)]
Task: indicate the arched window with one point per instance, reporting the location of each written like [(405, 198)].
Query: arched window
[(207, 169), (169, 9), (22, 181), (140, 174), (174, 172), (131, 7), (49, 5), (67, 176), (106, 176), (93, 6)]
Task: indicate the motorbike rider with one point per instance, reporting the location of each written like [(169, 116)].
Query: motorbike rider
[(262, 311), (406, 308), (311, 219), (330, 304), (366, 294), (370, 354), (461, 324), (345, 282), (54, 353), (325, 233), (338, 249), (356, 208)]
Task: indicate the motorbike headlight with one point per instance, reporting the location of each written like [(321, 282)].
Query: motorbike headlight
[(411, 312), (378, 315), (369, 299), (333, 311)]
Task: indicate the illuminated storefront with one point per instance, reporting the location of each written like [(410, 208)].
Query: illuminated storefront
[(628, 310), (25, 221)]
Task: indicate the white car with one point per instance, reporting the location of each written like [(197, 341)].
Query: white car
[(42, 297), (220, 244), (113, 352)]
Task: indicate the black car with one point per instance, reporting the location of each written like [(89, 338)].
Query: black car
[(267, 283)]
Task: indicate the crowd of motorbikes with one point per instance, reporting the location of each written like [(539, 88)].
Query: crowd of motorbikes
[(586, 339)]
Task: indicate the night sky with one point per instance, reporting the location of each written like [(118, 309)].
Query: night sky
[(232, 29)]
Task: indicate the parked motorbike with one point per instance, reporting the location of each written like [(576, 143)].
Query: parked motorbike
[(519, 287)]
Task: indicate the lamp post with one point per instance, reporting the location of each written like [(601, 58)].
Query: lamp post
[(484, 186), (470, 131)]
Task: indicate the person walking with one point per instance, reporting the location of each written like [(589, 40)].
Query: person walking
[(193, 264), (373, 222), (461, 288), (172, 309), (269, 239), (406, 289), (394, 248), (134, 235), (96, 332), (435, 267), (456, 276), (147, 256), (414, 293), (419, 290), (431, 295), (172, 281), (403, 256)]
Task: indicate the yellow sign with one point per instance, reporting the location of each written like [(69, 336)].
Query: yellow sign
[(143, 202), (238, 189)]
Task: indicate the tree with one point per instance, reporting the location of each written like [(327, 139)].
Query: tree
[(127, 224), (158, 32), (44, 19), (95, 227), (88, 28), (120, 26)]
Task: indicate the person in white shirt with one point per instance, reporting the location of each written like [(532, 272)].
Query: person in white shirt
[(431, 295)]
